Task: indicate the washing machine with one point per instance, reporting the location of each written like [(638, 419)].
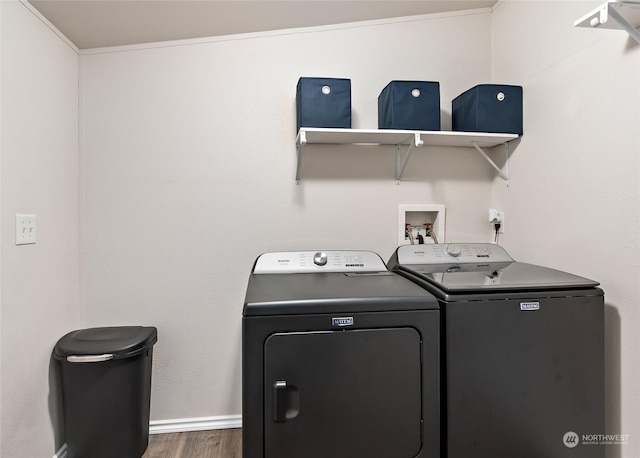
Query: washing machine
[(522, 352), (340, 359)]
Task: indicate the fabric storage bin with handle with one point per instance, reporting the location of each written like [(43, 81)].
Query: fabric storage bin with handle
[(323, 102), (494, 108), (410, 105)]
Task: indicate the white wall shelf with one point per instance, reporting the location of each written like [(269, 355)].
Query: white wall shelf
[(626, 15), (404, 138)]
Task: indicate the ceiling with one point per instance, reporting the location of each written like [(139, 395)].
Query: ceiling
[(100, 23)]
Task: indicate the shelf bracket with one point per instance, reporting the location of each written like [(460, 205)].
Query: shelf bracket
[(631, 30), (626, 14), (401, 165), (503, 175), (299, 147)]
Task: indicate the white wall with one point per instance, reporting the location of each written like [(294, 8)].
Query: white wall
[(187, 174), (574, 202), (39, 294), (188, 165)]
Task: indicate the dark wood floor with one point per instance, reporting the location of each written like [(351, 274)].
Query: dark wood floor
[(220, 443)]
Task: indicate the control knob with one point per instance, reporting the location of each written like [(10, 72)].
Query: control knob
[(453, 250), (320, 258)]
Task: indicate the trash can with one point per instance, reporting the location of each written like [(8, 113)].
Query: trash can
[(106, 390)]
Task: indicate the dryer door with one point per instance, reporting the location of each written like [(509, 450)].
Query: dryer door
[(343, 394)]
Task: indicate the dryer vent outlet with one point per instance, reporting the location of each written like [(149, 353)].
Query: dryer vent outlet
[(416, 222)]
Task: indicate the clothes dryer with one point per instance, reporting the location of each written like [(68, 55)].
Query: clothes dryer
[(522, 352), (340, 359)]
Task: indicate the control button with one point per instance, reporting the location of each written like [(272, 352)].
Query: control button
[(453, 250), (320, 259)]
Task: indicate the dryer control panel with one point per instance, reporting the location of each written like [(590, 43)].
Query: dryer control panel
[(448, 253), (318, 261)]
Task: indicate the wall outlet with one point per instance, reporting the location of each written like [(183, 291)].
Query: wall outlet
[(25, 229), (497, 217), (416, 216)]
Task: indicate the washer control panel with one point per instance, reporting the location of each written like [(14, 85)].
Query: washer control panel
[(318, 261), (452, 253)]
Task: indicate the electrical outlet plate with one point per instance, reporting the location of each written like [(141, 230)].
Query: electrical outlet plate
[(497, 216), (25, 229), (417, 215)]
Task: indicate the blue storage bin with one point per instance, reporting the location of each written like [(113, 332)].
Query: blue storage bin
[(494, 108), (411, 105), (323, 102)]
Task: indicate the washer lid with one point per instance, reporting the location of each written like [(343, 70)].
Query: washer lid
[(514, 276), (480, 267)]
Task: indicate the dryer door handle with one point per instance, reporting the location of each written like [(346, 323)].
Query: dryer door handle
[(280, 398), (286, 401)]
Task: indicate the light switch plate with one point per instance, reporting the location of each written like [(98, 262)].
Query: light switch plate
[(25, 229)]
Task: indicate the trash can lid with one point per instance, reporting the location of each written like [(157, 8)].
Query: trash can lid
[(120, 341)]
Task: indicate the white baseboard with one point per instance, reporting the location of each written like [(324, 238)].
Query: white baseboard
[(182, 425)]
